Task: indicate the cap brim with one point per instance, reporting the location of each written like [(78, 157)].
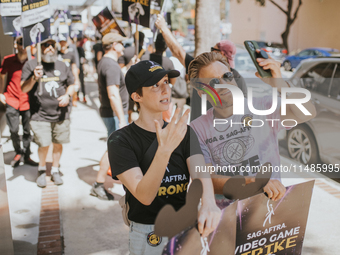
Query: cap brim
[(157, 77), (48, 39)]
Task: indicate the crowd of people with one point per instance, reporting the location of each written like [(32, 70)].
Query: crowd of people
[(43, 94)]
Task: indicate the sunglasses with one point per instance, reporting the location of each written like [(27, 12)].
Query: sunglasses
[(228, 77), (19, 42), (48, 44), (214, 49)]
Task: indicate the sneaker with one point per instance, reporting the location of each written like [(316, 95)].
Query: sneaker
[(84, 100), (30, 162), (100, 192), (16, 161), (41, 180), (56, 178)]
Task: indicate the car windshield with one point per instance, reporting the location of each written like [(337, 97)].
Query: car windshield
[(243, 62)]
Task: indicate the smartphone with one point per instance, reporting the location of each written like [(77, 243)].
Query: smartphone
[(251, 47)]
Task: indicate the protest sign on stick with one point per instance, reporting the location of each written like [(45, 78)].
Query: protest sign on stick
[(77, 26), (36, 25), (106, 23), (255, 225), (10, 11), (36, 21)]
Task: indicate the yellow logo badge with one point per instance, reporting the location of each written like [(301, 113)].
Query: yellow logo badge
[(154, 240)]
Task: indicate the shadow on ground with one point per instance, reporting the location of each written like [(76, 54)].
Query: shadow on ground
[(88, 175), (24, 248)]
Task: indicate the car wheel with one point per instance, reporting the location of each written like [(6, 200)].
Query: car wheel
[(287, 65), (302, 145)]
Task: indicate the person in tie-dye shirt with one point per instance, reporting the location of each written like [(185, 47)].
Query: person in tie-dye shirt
[(237, 145)]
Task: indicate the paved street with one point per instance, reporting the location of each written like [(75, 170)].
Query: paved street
[(92, 226)]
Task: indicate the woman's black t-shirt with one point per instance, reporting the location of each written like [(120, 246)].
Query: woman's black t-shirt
[(127, 147)]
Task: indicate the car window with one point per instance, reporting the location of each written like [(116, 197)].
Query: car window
[(243, 62), (318, 78), (335, 88), (317, 53), (304, 53)]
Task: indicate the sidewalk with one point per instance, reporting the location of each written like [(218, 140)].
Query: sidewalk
[(91, 226)]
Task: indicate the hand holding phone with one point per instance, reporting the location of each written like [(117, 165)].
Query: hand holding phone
[(251, 47)]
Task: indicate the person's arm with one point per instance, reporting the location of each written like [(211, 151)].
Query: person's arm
[(134, 60), (2, 85), (116, 103), (175, 48), (75, 72), (99, 55), (274, 188), (209, 214), (293, 112), (28, 80), (64, 100), (145, 187)]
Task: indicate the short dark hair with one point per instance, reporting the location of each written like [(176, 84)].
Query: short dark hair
[(139, 91), (107, 47), (160, 43)]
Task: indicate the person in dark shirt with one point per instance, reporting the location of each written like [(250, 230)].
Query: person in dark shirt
[(69, 58), (98, 51), (148, 189), (129, 52), (82, 60), (50, 106), (114, 100), (225, 47), (17, 103)]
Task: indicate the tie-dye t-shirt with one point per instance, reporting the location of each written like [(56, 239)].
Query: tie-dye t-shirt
[(239, 146)]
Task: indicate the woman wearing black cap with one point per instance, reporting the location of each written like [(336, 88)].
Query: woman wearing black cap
[(164, 179)]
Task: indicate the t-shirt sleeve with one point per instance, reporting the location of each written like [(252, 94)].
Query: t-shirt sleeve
[(73, 58), (76, 56), (204, 148), (121, 60), (27, 71), (70, 77), (121, 155), (167, 64), (192, 145), (4, 66), (188, 60), (145, 57), (112, 75)]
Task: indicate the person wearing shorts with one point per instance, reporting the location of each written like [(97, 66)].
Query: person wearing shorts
[(50, 106), (114, 100)]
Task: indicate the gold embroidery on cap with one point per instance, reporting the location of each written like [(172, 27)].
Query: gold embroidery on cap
[(155, 68)]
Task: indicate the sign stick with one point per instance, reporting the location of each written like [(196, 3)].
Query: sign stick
[(39, 62), (162, 11)]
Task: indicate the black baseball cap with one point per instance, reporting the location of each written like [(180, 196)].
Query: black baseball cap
[(146, 73)]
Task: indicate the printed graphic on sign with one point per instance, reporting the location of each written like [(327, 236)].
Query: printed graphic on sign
[(137, 12), (10, 11), (273, 227), (106, 23), (36, 21), (252, 226)]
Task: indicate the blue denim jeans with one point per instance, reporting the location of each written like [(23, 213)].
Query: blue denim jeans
[(112, 124), (138, 240)]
